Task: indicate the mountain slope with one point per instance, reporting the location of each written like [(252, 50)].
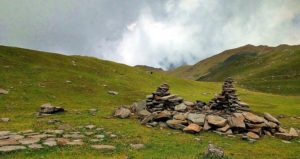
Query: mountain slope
[(263, 68), (79, 83)]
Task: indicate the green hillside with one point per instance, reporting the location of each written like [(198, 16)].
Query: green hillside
[(263, 68), (79, 83)]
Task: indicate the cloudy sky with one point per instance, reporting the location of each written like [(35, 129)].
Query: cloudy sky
[(159, 33)]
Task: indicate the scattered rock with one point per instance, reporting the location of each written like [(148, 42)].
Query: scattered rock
[(62, 141), (76, 142), (54, 121), (90, 126), (180, 107), (122, 112), (237, 121), (192, 128), (137, 146), (15, 137), (4, 133), (103, 147), (11, 148), (5, 119), (269, 117), (214, 151), (50, 142), (3, 91), (253, 118), (64, 127), (113, 93), (50, 109), (176, 124), (100, 136), (293, 132), (74, 136), (92, 111)]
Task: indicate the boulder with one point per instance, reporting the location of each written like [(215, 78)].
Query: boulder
[(216, 120), (138, 106), (176, 124), (192, 128), (50, 109), (237, 121), (269, 117), (284, 136), (180, 107), (122, 113), (196, 118), (29, 141), (252, 135), (253, 118), (214, 151)]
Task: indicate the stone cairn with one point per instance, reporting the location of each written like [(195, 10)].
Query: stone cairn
[(224, 114)]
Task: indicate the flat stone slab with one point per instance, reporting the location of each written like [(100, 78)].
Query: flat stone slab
[(35, 146), (29, 141), (50, 143), (7, 142), (11, 148), (103, 147)]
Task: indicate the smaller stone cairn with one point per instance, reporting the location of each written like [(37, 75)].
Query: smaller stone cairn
[(224, 114)]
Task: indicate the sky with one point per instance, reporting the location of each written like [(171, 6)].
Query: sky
[(158, 33)]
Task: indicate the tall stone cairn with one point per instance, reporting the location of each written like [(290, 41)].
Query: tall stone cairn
[(161, 99), (228, 100)]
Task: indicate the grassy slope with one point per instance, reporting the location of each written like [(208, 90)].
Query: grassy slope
[(34, 78), (263, 68)]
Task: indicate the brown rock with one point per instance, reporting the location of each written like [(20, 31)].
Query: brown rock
[(179, 116), (7, 142), (237, 121), (62, 141), (206, 126), (192, 128), (163, 116), (293, 132), (269, 117), (122, 112), (252, 135), (216, 120), (253, 118), (284, 136), (224, 129)]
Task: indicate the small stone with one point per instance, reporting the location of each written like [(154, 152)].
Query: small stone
[(62, 141), (287, 142), (224, 129), (237, 121), (76, 142), (214, 151), (90, 126), (192, 128), (54, 121), (89, 133), (50, 109), (163, 116), (29, 141), (35, 146), (188, 103), (103, 147), (92, 111), (179, 116), (50, 143), (11, 148), (122, 112), (16, 137), (100, 136), (5, 119), (95, 140), (137, 146), (113, 135), (112, 93), (4, 133), (74, 136), (3, 91), (252, 135), (65, 127)]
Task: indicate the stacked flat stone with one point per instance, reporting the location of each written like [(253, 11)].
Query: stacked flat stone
[(161, 99), (228, 100)]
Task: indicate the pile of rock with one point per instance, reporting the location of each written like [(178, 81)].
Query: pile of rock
[(162, 100), (228, 101), (225, 114)]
